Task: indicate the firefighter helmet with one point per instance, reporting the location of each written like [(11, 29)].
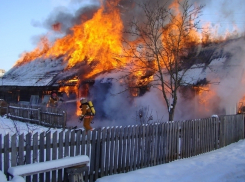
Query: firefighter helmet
[(83, 100)]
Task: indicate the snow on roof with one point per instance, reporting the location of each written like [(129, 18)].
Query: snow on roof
[(194, 74), (39, 72)]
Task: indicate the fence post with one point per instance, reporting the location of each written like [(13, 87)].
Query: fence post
[(64, 119), (39, 115), (7, 110)]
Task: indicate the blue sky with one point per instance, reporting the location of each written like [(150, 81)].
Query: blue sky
[(16, 30), (17, 20)]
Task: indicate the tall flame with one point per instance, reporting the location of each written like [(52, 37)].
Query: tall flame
[(96, 40)]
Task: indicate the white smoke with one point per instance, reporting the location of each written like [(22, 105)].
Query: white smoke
[(226, 88)]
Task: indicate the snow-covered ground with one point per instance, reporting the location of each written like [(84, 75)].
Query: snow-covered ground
[(11, 127), (15, 179), (223, 165)]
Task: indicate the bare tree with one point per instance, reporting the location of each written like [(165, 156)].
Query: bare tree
[(157, 43)]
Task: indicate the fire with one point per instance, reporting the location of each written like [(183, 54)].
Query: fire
[(173, 37), (205, 94), (68, 90), (96, 41)]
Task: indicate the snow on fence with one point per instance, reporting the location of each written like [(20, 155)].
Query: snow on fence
[(121, 149), (45, 116)]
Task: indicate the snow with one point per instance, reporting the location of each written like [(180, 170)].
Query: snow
[(36, 73), (15, 178), (2, 177), (18, 179), (49, 165), (226, 164), (11, 127)]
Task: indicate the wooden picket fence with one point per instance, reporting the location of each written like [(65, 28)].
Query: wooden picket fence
[(45, 116), (121, 149)]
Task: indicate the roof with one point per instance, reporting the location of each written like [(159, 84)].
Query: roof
[(40, 72), (53, 72)]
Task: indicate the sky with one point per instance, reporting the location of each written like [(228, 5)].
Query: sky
[(223, 165), (22, 22)]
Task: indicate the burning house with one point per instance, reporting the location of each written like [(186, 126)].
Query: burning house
[(87, 62)]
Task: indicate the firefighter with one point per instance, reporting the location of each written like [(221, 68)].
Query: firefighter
[(88, 113), (53, 100)]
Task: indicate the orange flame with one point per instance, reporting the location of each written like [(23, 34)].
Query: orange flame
[(97, 40)]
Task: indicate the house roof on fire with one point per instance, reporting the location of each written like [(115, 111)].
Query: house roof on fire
[(53, 72)]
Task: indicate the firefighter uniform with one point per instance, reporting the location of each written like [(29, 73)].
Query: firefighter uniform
[(88, 113), (53, 101)]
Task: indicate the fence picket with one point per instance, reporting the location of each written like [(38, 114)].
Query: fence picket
[(196, 142), (143, 146), (98, 152), (107, 158), (60, 153), (78, 140), (41, 155), (13, 150), (156, 144), (35, 154), (72, 146), (54, 154), (175, 142), (92, 156), (117, 129), (6, 153), (201, 136), (112, 147), (206, 135), (136, 147), (28, 153), (1, 148), (190, 138), (184, 140), (132, 149), (66, 150), (120, 157), (162, 146), (210, 134), (84, 135), (128, 149), (88, 152), (103, 152), (150, 146), (124, 149), (147, 147), (48, 154)]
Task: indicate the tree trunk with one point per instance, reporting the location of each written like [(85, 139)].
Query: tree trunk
[(171, 114)]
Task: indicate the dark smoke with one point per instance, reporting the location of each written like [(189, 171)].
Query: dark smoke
[(68, 20)]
